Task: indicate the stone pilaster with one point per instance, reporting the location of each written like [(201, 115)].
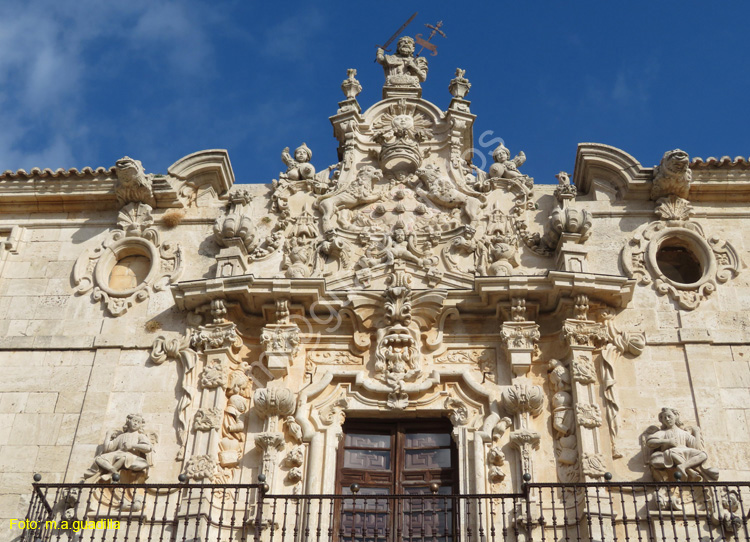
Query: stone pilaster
[(522, 399), (583, 337)]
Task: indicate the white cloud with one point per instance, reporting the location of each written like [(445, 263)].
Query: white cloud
[(48, 59)]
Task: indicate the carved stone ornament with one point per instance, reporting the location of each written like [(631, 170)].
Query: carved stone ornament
[(201, 468), (216, 337), (133, 184), (165, 349), (672, 177), (130, 264), (237, 222), (520, 335), (583, 370), (334, 412), (583, 333), (588, 415), (274, 401), (678, 258), (458, 412), (592, 465), (673, 447), (128, 450), (207, 419), (520, 398), (214, 375), (403, 69)]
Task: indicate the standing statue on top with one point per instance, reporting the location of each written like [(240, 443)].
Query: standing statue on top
[(403, 68)]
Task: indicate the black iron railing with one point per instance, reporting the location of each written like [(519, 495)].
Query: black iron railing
[(653, 512)]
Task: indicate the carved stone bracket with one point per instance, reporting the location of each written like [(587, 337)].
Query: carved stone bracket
[(526, 441), (280, 345), (519, 340), (523, 398)]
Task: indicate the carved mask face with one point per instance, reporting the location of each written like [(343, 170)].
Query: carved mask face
[(402, 123)]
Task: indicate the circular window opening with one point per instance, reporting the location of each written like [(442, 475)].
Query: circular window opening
[(678, 262), (129, 272)]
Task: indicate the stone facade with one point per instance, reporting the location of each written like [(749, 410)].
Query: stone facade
[(597, 325)]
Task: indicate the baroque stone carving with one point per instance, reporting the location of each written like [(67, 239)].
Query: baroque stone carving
[(359, 190), (583, 370), (129, 449), (130, 264), (275, 401), (232, 431), (403, 69), (442, 192), (711, 260), (588, 415), (133, 185), (498, 253), (458, 412), (399, 132), (621, 343), (583, 333), (173, 350), (675, 448), (459, 85), (237, 222), (526, 441), (201, 468), (672, 177), (214, 375), (592, 465), (207, 419), (520, 398)]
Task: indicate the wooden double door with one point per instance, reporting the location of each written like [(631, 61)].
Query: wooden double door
[(391, 459)]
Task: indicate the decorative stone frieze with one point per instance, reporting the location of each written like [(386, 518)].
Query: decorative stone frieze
[(129, 264)]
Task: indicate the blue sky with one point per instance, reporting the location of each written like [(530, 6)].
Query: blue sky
[(85, 82)]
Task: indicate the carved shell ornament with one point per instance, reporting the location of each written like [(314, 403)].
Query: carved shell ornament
[(677, 257), (129, 264)]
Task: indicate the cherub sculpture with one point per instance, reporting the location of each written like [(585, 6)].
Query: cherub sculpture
[(300, 172), (128, 449), (403, 69), (503, 168), (679, 449)]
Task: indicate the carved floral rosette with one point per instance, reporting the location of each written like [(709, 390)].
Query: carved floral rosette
[(135, 237), (717, 259)]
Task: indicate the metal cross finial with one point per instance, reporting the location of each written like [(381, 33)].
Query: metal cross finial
[(426, 43)]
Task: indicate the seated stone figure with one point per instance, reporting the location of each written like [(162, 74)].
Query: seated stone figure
[(128, 449), (679, 449)]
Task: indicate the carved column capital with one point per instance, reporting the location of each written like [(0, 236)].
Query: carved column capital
[(280, 345), (519, 340), (584, 334)]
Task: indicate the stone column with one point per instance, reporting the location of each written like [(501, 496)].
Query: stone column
[(522, 399), (272, 404), (583, 337)]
